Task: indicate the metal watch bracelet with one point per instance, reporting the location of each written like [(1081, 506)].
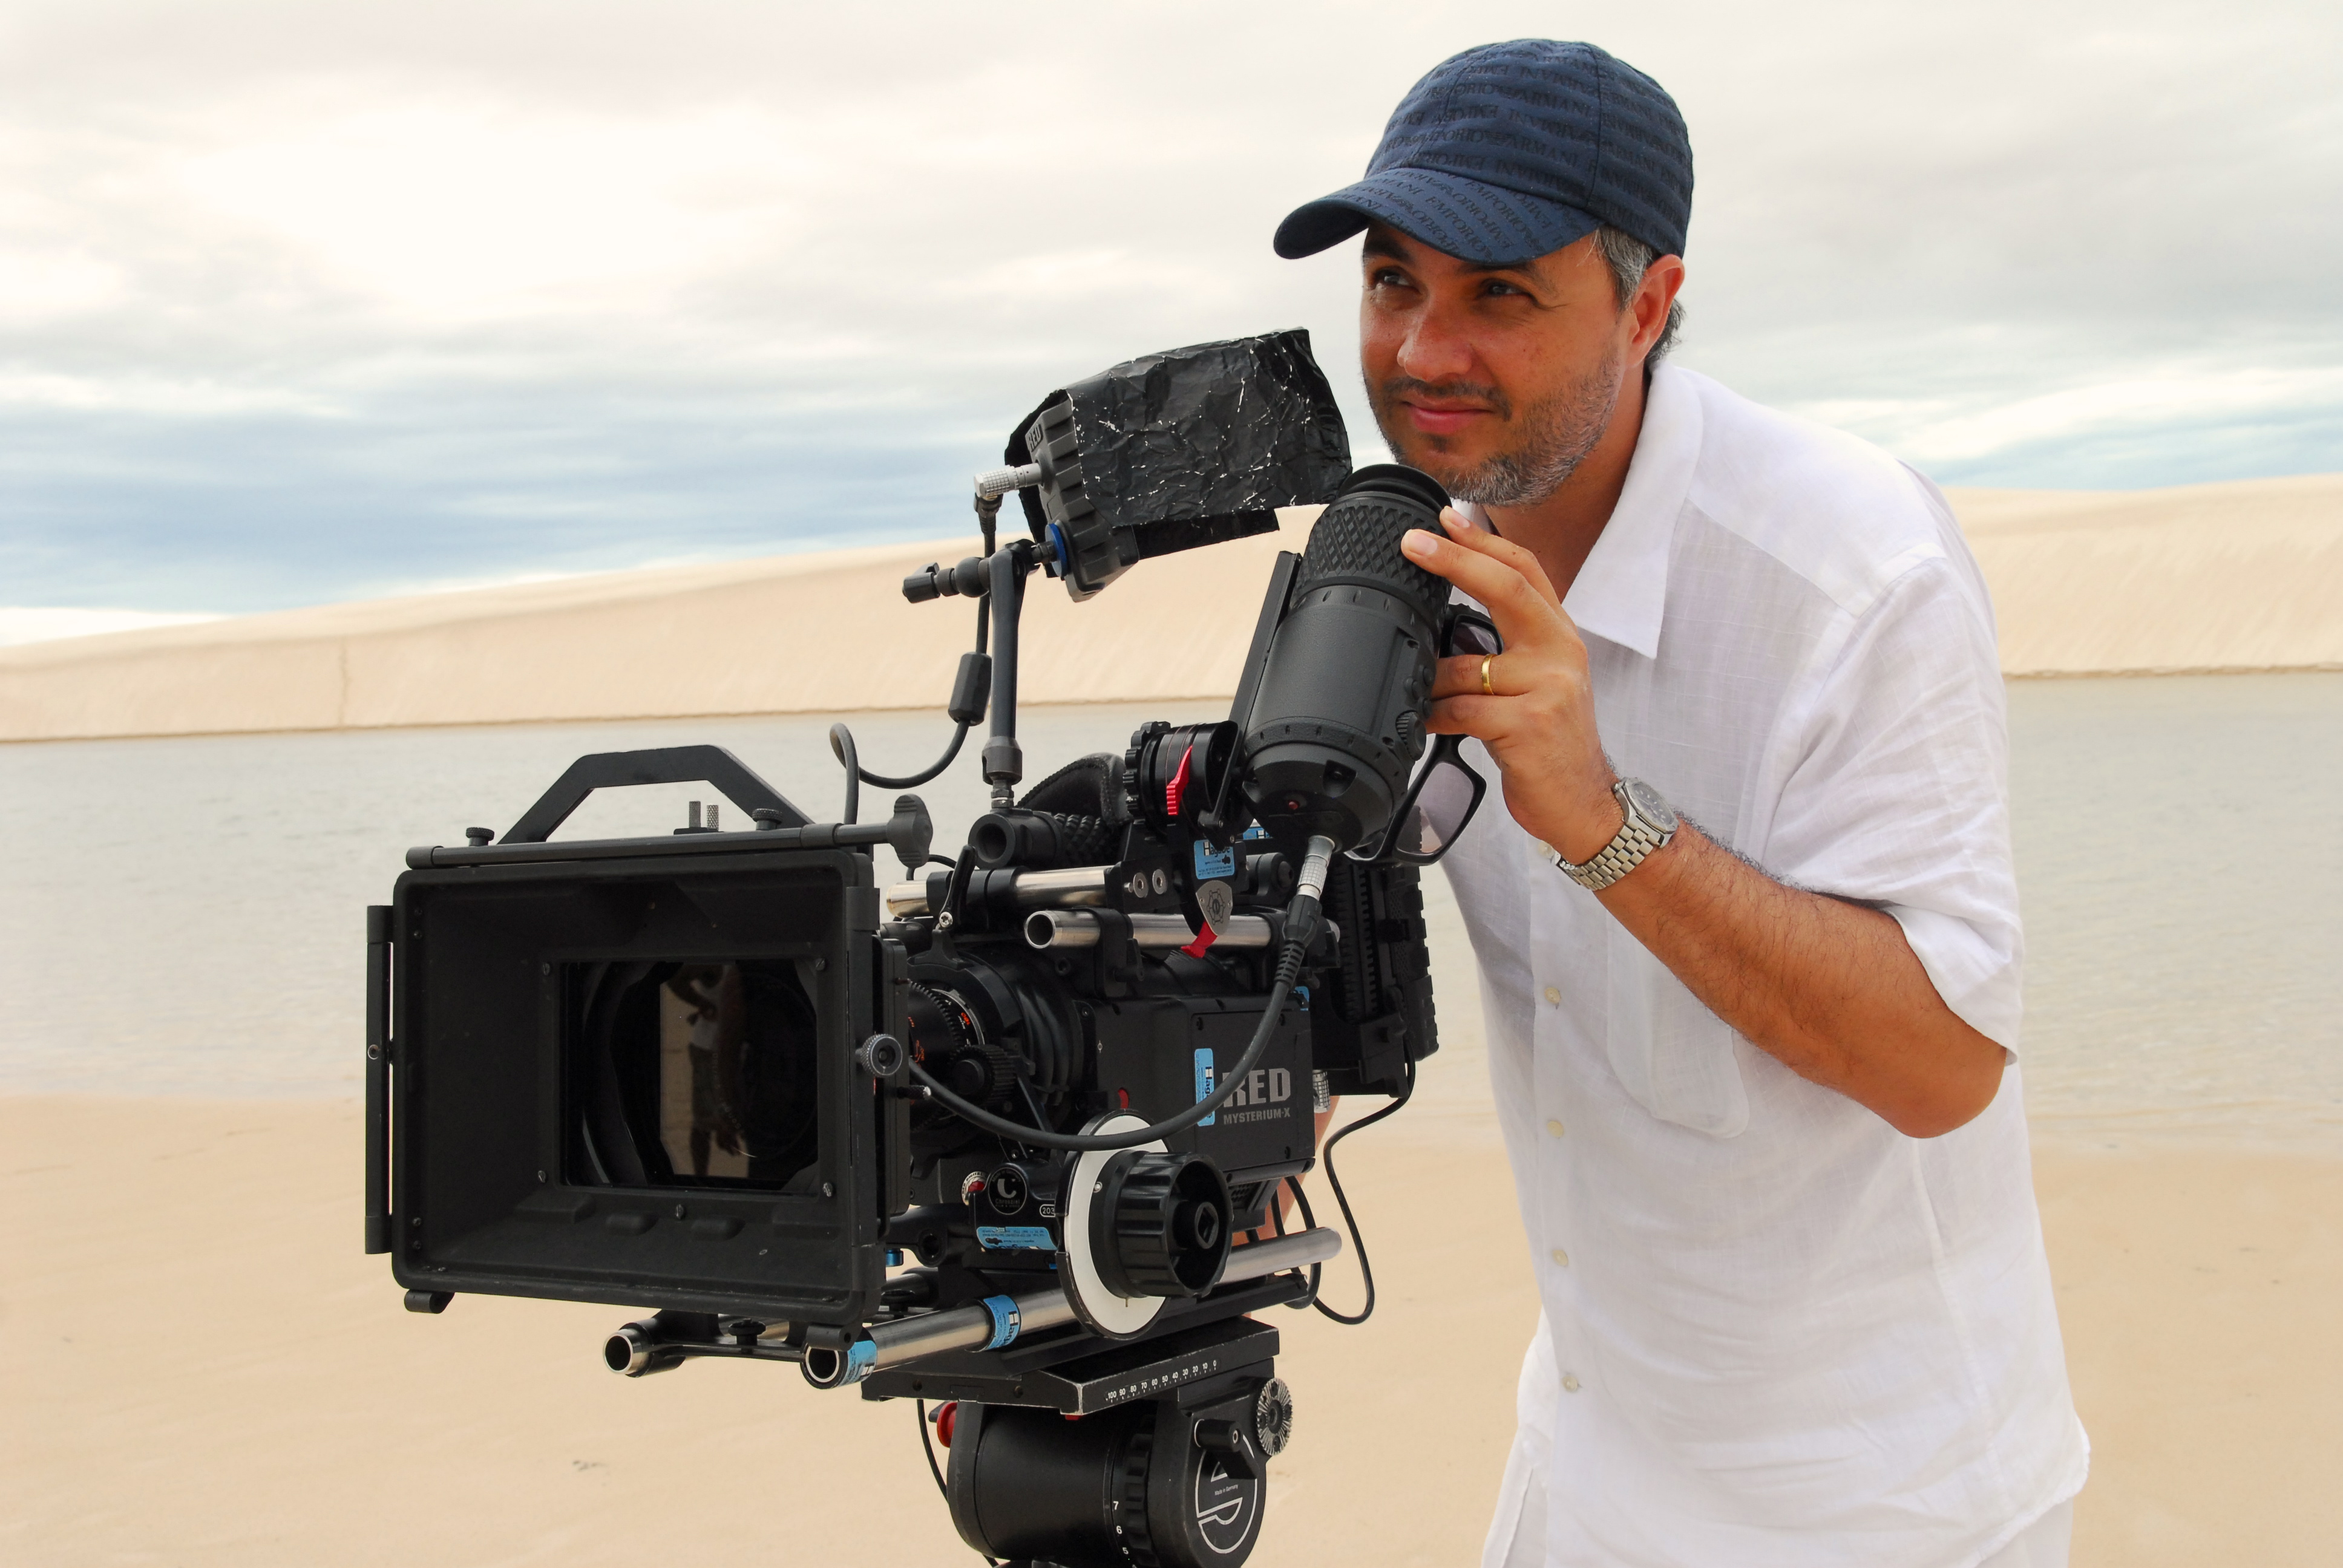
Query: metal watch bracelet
[(1649, 824)]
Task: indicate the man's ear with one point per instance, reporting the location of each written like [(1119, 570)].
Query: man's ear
[(1661, 282)]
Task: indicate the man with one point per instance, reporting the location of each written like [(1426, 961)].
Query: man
[(1747, 927)]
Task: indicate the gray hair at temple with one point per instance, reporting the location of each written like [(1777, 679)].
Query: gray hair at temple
[(1629, 259)]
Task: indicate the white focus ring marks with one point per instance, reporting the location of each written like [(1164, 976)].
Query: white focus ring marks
[(1116, 1317)]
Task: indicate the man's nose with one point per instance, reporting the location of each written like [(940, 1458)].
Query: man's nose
[(1434, 350)]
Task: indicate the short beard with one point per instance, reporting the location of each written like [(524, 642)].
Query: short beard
[(1556, 434)]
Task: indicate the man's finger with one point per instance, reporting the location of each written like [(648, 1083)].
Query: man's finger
[(1483, 717), (1509, 675), (1461, 532), (1524, 616)]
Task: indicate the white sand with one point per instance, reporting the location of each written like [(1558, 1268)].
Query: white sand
[(204, 1369), (2245, 576)]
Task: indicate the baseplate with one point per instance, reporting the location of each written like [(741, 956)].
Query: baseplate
[(1188, 1362)]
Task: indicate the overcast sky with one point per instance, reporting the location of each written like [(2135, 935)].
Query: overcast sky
[(305, 302)]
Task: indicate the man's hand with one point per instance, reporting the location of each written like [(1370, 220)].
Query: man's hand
[(1537, 718), (1830, 989)]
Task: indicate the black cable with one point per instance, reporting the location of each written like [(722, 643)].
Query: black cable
[(855, 770), (926, 775), (1366, 1272), (1280, 993), (1309, 1222), (841, 745), (928, 1446)]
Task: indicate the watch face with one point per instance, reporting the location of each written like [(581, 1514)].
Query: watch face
[(1648, 804)]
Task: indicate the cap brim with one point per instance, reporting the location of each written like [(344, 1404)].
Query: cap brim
[(1483, 223)]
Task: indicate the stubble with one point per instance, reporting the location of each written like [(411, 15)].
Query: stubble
[(1555, 435)]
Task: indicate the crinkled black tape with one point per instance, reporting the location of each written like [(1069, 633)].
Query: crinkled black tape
[(1205, 433)]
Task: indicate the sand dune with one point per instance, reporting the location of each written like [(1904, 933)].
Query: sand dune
[(787, 634), (2245, 575)]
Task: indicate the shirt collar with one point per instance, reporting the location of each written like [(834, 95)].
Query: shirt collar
[(1621, 591)]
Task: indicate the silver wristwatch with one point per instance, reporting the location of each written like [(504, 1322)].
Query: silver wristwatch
[(1650, 823)]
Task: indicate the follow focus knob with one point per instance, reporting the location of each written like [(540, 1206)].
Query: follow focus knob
[(1160, 1224)]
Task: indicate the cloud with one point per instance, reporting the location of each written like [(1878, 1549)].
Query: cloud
[(303, 302), (20, 624)]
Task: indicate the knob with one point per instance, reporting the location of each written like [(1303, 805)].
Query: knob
[(1160, 1225), (882, 1056)]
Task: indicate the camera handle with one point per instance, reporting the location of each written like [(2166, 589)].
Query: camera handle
[(998, 579), (966, 707), (666, 765)]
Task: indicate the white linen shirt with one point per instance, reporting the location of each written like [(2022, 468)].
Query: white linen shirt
[(1776, 1330)]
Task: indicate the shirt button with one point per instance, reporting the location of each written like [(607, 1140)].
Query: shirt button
[(1562, 1257), (1570, 1382), (1554, 1128), (1554, 996)]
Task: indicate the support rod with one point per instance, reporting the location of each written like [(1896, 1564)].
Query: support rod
[(987, 1325), (1048, 929), (1259, 1260), (1067, 887), (1004, 760)]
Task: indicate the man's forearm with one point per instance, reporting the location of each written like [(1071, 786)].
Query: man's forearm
[(1829, 989)]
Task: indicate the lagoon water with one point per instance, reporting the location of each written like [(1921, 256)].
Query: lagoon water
[(182, 917)]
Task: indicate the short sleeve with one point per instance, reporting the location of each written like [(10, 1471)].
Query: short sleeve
[(1896, 790)]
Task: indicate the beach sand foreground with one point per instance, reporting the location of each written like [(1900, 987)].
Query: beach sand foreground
[(204, 1369)]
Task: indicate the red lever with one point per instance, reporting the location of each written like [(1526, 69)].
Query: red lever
[(1173, 793), (1177, 790)]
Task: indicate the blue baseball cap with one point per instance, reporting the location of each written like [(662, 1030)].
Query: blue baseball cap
[(1510, 151)]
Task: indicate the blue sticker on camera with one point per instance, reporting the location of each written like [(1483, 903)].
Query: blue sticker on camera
[(1006, 1321), (1014, 1237), (1204, 1072), (1208, 865)]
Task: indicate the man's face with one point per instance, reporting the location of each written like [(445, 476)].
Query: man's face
[(1495, 381)]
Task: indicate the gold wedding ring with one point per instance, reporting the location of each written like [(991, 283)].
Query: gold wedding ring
[(1488, 687)]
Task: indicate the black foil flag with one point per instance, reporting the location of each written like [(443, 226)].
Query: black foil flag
[(1172, 450)]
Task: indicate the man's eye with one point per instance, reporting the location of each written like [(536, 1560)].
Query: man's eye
[(1388, 278)]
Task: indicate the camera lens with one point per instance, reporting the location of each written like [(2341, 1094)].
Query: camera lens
[(692, 1073), (1326, 748)]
